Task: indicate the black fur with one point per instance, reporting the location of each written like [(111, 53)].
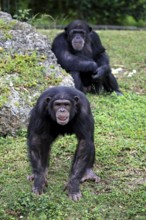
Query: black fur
[(43, 129)]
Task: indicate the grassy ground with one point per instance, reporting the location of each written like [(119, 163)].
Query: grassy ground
[(120, 140)]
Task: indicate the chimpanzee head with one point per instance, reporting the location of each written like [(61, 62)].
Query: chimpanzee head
[(77, 33), (60, 107)]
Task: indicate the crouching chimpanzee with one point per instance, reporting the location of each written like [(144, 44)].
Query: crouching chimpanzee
[(80, 52), (59, 111)]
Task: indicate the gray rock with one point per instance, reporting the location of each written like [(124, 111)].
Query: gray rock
[(21, 38)]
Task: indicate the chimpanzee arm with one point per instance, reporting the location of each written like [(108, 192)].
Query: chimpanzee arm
[(39, 154), (103, 67), (68, 60), (39, 142), (84, 155), (97, 46), (100, 57)]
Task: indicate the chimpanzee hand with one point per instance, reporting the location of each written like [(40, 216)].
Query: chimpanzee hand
[(98, 74), (73, 191), (88, 66), (41, 183)]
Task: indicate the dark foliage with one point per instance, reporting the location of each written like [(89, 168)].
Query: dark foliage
[(98, 12)]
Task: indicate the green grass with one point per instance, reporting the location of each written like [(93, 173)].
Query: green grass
[(120, 140)]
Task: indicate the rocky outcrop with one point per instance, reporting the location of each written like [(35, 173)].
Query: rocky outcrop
[(27, 67)]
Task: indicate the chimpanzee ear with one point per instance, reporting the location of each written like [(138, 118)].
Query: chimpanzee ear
[(42, 104), (48, 99), (66, 29), (90, 28), (76, 98)]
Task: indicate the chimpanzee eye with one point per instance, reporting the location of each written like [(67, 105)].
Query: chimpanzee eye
[(67, 104), (79, 32), (57, 104)]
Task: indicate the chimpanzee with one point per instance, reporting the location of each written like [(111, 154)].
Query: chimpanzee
[(59, 111), (79, 51)]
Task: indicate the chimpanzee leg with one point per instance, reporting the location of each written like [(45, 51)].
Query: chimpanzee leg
[(83, 161), (39, 154), (110, 84), (96, 87), (77, 80)]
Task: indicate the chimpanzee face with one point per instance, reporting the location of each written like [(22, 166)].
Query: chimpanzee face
[(77, 34), (62, 110), (77, 38)]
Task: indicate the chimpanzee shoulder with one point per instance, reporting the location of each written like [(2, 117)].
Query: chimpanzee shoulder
[(60, 38), (97, 46)]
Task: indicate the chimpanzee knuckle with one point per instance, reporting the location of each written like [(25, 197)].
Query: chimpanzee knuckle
[(73, 197), (30, 177), (76, 196), (37, 191), (97, 179), (46, 183)]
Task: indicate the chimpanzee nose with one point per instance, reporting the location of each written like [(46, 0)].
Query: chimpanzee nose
[(62, 110), (78, 37)]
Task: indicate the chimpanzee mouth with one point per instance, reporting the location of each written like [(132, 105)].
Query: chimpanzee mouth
[(62, 120), (78, 47)]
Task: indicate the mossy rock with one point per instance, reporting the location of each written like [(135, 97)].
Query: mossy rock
[(27, 67)]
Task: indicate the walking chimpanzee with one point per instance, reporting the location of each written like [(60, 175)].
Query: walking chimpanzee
[(59, 111)]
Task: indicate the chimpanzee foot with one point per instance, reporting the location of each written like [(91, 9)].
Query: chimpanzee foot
[(90, 175), (95, 77), (87, 89), (119, 93)]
